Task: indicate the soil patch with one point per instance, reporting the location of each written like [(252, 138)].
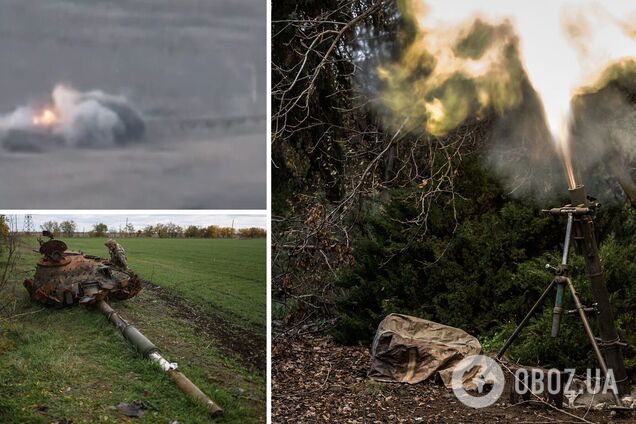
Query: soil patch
[(247, 346)]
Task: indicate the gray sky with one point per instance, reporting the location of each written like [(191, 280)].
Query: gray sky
[(140, 219)]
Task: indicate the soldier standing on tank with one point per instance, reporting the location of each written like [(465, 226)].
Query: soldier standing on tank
[(117, 255)]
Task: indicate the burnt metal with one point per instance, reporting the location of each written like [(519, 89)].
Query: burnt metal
[(47, 233), (53, 249), (65, 278), (580, 228)]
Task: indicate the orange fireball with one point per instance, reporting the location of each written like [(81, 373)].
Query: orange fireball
[(46, 118)]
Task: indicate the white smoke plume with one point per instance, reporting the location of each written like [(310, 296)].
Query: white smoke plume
[(73, 118)]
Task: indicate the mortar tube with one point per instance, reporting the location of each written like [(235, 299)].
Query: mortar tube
[(586, 240), (150, 351), (578, 196)]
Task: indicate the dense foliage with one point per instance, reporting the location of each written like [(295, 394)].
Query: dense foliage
[(169, 230), (484, 274)]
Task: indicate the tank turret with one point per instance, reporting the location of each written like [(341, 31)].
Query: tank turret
[(64, 278)]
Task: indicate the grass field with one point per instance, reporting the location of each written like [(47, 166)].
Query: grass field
[(72, 365), (227, 276)]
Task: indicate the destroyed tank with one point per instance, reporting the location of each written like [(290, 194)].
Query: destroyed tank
[(64, 278)]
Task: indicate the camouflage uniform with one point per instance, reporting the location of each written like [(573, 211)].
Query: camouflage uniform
[(117, 255)]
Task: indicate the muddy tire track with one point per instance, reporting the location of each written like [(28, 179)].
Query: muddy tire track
[(247, 346)]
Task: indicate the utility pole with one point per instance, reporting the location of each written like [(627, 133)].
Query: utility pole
[(27, 227)]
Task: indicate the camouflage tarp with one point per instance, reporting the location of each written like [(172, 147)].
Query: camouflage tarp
[(409, 350)]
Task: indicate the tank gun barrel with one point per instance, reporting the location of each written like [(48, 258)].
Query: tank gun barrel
[(150, 351)]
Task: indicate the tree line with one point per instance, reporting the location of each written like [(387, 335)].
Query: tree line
[(160, 230), (4, 231)]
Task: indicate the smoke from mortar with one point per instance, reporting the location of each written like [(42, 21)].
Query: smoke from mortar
[(525, 65), (437, 85), (74, 118)]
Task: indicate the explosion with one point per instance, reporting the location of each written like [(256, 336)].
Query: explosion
[(74, 118), (46, 118), (470, 60)]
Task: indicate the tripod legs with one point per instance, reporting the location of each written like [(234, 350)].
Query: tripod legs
[(586, 325), (557, 313), (590, 335)]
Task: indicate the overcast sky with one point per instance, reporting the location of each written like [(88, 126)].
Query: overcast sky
[(116, 220)]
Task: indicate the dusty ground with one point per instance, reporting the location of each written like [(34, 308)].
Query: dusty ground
[(316, 380)]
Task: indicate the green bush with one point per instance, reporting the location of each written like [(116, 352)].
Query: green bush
[(483, 274), (4, 232)]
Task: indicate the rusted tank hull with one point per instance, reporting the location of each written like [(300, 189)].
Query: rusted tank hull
[(77, 278)]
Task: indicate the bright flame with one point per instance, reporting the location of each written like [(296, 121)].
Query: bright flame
[(46, 118), (436, 112), (562, 144)]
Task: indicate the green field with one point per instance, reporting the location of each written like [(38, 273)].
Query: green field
[(72, 365), (225, 275)]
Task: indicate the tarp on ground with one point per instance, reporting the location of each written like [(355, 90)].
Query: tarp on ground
[(408, 349)]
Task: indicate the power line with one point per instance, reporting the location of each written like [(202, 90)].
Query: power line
[(27, 226)]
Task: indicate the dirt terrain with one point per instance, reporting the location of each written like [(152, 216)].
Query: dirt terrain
[(316, 380)]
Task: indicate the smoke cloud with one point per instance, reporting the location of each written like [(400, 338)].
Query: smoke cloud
[(558, 78), (449, 74), (73, 118)]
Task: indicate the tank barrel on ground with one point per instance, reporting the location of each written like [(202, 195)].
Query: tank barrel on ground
[(150, 351)]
